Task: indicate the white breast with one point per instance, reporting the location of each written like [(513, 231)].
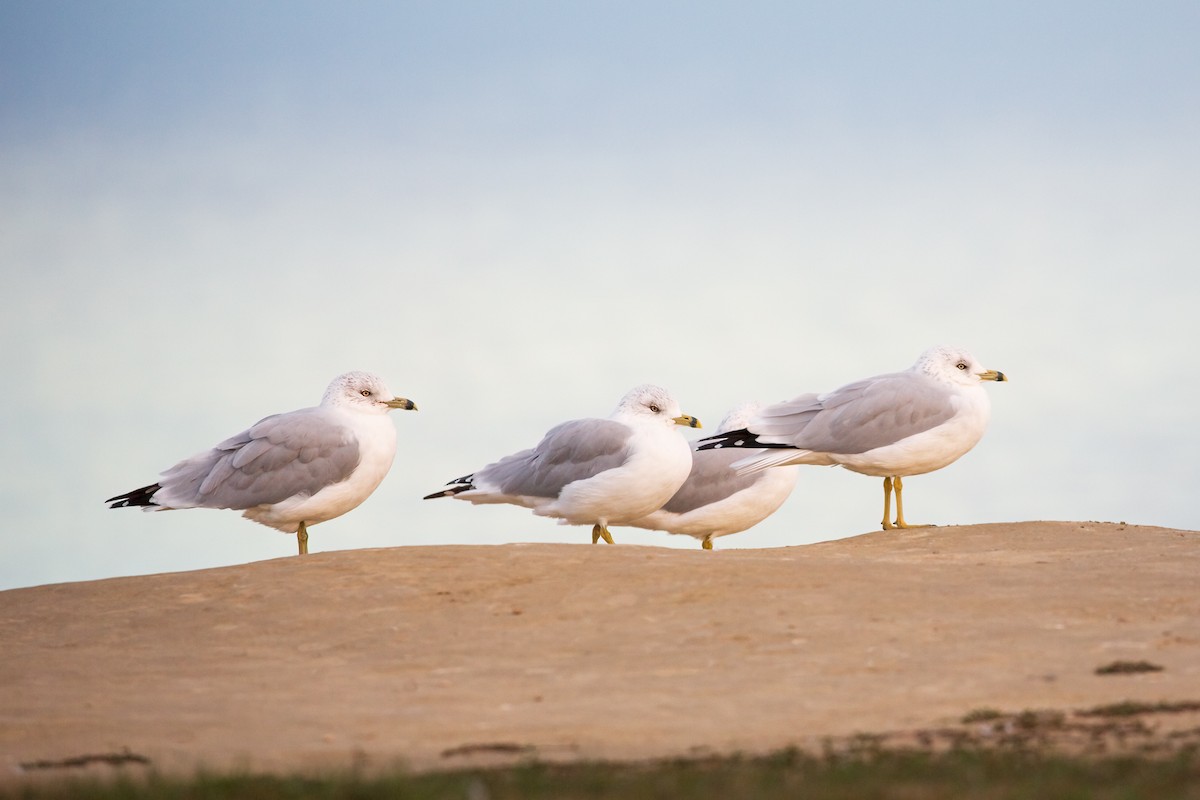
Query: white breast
[(658, 467), (932, 449), (377, 448)]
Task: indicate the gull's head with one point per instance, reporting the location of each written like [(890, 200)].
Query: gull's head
[(648, 402), (364, 391), (955, 366), (740, 416)]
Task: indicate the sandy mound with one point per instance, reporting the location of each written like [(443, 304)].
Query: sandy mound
[(439, 656)]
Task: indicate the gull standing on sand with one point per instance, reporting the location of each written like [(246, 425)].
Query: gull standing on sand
[(890, 426), (596, 472), (715, 500), (289, 471)]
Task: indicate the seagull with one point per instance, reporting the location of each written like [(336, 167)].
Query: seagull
[(717, 501), (890, 426), (596, 472), (290, 471)]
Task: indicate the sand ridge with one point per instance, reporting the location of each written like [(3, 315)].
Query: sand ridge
[(436, 656)]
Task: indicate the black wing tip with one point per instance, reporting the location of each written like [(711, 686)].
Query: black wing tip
[(742, 438), (739, 438), (138, 497), (457, 486)]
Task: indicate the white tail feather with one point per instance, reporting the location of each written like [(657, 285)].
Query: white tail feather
[(768, 458)]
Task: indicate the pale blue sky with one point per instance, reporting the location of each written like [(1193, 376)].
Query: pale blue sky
[(517, 211)]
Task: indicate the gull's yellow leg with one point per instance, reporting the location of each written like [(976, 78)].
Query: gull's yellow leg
[(302, 538), (900, 523), (887, 503), (707, 543), (600, 532)]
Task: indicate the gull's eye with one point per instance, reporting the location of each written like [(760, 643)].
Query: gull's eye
[(365, 392), (961, 365), (654, 407)]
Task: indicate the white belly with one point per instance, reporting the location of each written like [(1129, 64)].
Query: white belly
[(924, 452), (642, 485), (377, 448)]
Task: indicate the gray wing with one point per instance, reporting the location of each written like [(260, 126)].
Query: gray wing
[(572, 451), (300, 452), (711, 480), (860, 416)]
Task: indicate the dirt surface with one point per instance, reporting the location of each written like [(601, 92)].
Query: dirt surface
[(435, 657)]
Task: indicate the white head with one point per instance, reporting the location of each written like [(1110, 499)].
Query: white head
[(363, 391), (648, 402), (740, 416), (954, 365)]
